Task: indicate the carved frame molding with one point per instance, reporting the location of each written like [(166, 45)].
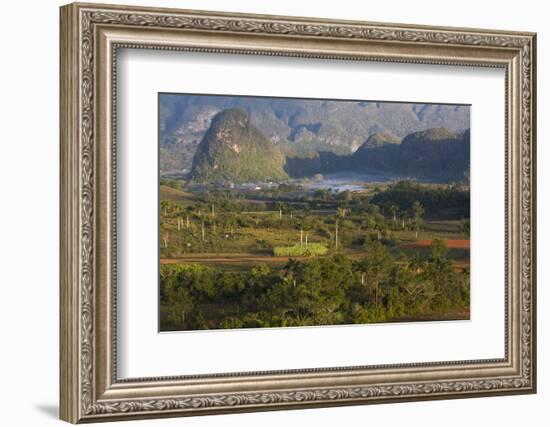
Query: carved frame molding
[(90, 36)]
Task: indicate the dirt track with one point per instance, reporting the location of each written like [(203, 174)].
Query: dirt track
[(250, 258), (451, 243), (229, 258)]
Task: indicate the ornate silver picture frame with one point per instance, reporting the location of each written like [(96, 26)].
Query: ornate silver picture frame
[(91, 34)]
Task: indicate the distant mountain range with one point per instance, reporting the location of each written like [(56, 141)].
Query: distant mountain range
[(234, 150), (301, 128)]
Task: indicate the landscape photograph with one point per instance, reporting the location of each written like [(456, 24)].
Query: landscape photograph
[(291, 212)]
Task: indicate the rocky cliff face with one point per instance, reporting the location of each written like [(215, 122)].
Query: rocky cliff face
[(437, 154), (298, 125), (234, 150)]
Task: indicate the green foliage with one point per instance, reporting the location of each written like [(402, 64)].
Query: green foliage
[(302, 127), (183, 286), (374, 274), (379, 139), (233, 150), (322, 291), (172, 183), (438, 249), (431, 199), (300, 250), (435, 152)]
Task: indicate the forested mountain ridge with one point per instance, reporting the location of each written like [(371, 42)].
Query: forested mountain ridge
[(298, 126), (233, 150), (437, 154), (432, 153)]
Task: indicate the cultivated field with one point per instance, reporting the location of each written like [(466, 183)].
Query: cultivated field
[(289, 255)]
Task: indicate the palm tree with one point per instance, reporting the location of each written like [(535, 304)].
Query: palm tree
[(417, 210), (279, 206), (164, 204), (336, 233), (379, 227), (290, 210), (416, 263), (393, 210), (342, 208), (231, 222), (301, 227), (188, 211)]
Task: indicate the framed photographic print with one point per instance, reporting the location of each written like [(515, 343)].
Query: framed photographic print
[(265, 212)]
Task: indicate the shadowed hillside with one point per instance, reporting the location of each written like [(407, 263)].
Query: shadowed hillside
[(432, 154), (299, 126)]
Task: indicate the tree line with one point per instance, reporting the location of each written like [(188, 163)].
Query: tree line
[(331, 290), (403, 195)]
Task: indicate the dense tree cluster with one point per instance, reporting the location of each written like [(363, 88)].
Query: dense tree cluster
[(321, 291), (455, 199), (353, 255)]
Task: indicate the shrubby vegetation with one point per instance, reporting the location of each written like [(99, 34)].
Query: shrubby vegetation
[(331, 290), (282, 217), (452, 199), (282, 256)]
